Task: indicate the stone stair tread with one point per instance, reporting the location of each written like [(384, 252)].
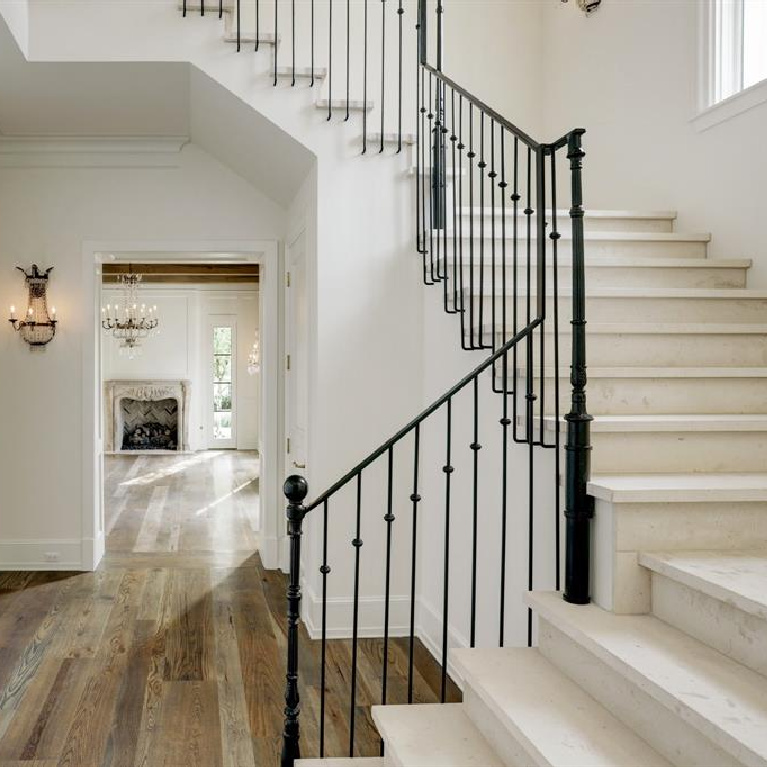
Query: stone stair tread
[(303, 72), (359, 761), (738, 578), (662, 422), (566, 234), (723, 700), (686, 328), (565, 213), (636, 262), (692, 488), (711, 371), (644, 292), (432, 735), (553, 719)]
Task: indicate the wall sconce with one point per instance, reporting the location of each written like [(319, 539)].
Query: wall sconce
[(38, 327), (587, 6)]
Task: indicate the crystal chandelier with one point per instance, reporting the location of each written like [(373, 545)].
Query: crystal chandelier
[(130, 322), (254, 358)]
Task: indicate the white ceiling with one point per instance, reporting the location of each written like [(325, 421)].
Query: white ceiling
[(148, 99)]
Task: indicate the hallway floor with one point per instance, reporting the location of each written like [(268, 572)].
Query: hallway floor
[(172, 653)]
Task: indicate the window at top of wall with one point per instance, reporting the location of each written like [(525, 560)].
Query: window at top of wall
[(737, 47), (754, 42)]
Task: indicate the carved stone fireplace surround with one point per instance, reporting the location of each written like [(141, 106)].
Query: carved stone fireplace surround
[(143, 391)]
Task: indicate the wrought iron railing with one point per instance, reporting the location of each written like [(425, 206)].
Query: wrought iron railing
[(488, 234)]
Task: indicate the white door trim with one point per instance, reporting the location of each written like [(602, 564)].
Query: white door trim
[(266, 253)]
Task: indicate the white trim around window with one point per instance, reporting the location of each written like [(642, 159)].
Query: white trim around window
[(721, 94)]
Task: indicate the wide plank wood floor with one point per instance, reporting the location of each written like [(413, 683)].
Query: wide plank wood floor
[(172, 653)]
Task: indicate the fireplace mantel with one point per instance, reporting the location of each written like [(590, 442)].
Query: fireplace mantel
[(143, 391)]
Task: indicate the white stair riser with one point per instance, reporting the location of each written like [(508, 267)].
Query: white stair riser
[(665, 452), (669, 734), (598, 276), (596, 248), (661, 349), (637, 396), (591, 223), (492, 728), (646, 309), (623, 530), (741, 636)]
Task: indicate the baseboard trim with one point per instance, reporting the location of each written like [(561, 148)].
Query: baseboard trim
[(44, 555)]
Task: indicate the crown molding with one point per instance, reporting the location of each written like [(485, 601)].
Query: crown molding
[(91, 151)]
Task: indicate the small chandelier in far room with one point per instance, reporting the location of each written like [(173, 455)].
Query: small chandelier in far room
[(38, 327), (254, 358), (587, 6), (130, 322)]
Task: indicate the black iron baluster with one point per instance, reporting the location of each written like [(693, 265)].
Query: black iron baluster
[(183, 9), (330, 60), (426, 251), (448, 470), (418, 140), (415, 499), (202, 7), (220, 9), (540, 187), (365, 85), (579, 506), (293, 38), (461, 146), (471, 155), (276, 39), (430, 116), (239, 33), (475, 448), (389, 519), (492, 176), (400, 13), (443, 190), (383, 71), (311, 84), (505, 423), (515, 198), (357, 544), (481, 165), (530, 398), (503, 186), (456, 213), (436, 173), (295, 491), (325, 570), (258, 24), (348, 56), (555, 237)]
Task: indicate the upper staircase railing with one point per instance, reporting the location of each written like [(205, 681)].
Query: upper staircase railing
[(488, 233)]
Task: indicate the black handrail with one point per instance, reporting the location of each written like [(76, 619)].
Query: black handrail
[(419, 419)]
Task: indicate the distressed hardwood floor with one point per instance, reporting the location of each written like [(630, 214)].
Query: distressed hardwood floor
[(172, 654)]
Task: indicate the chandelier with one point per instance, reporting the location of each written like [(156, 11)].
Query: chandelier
[(254, 358), (130, 322)]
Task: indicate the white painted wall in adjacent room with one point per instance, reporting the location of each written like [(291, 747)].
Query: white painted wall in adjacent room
[(46, 215), (636, 93), (179, 352)]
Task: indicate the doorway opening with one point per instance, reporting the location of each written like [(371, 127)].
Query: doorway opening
[(180, 382)]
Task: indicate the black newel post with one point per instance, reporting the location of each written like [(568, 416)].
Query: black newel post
[(295, 491), (579, 506)]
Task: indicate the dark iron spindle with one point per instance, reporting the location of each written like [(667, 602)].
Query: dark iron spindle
[(365, 84), (540, 187), (276, 39), (389, 519), (400, 13), (357, 544), (472, 297), (448, 470), (505, 422), (220, 9), (415, 499), (383, 71), (311, 84), (481, 165), (555, 237), (325, 570), (293, 39), (348, 56), (475, 448), (258, 24), (330, 60), (239, 32)]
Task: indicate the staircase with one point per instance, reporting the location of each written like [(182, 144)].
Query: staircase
[(668, 668)]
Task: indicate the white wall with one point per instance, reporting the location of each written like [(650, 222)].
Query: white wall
[(46, 215), (629, 75), (179, 352)]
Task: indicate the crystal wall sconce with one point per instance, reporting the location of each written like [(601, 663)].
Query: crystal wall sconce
[(38, 326)]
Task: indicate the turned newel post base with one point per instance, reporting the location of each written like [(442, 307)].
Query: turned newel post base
[(295, 491)]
